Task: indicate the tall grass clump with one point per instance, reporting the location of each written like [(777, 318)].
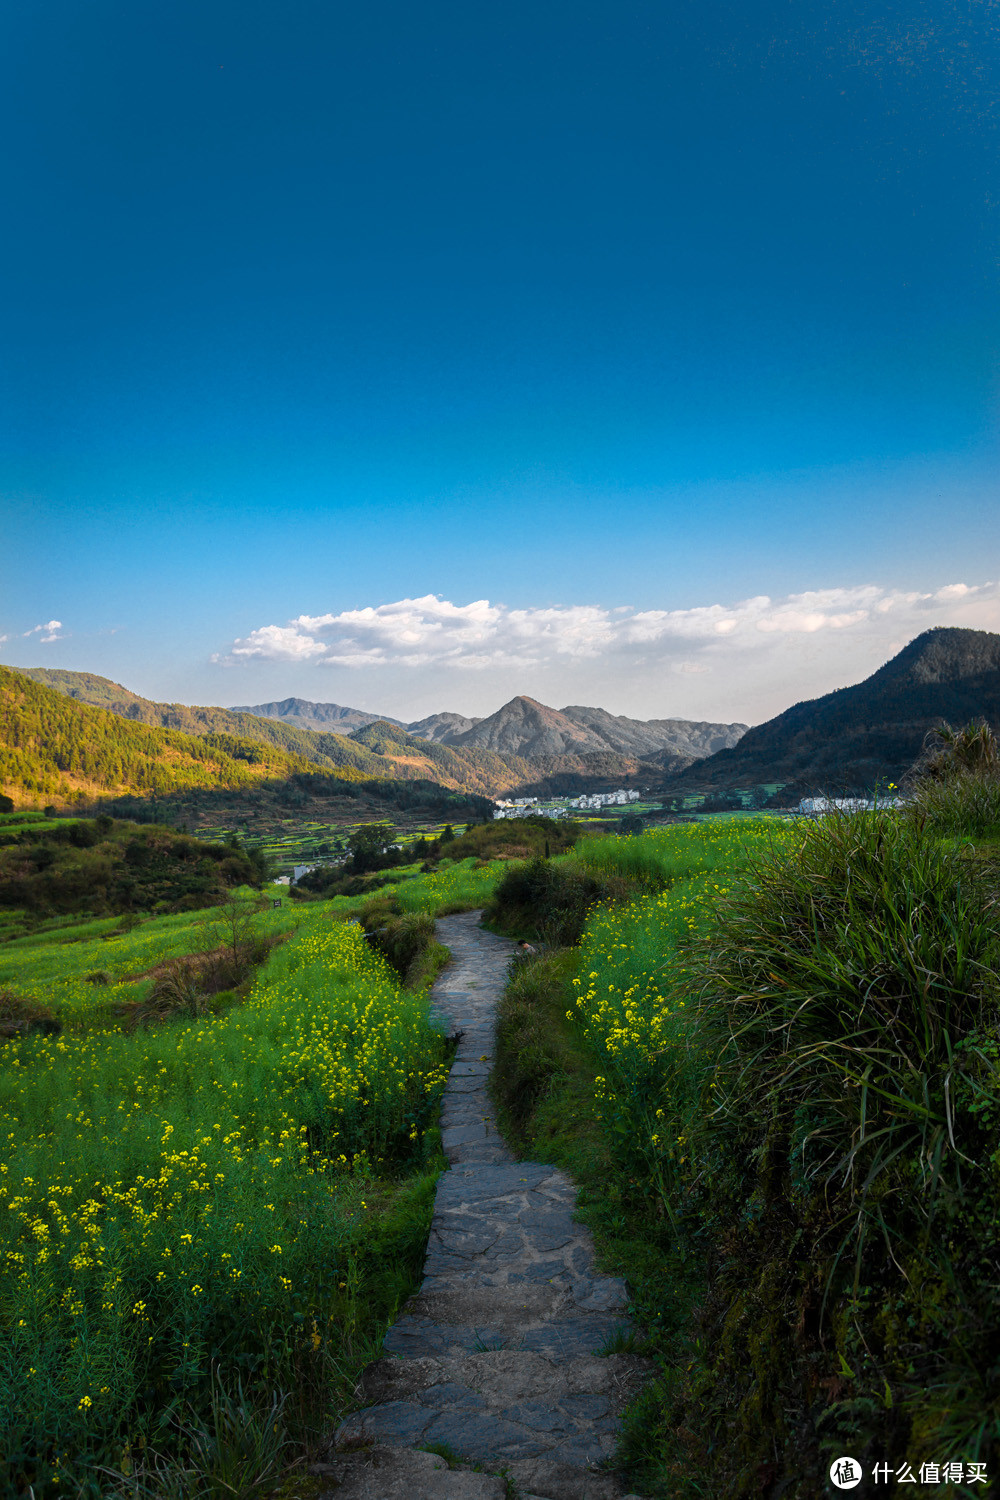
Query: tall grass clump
[(847, 1163), (859, 984), (955, 786), (193, 1209)]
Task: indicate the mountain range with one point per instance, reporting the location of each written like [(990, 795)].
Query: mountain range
[(531, 731), (302, 714), (850, 739)]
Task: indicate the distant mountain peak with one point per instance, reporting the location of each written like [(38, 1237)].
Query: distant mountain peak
[(324, 717), (856, 737), (531, 730)]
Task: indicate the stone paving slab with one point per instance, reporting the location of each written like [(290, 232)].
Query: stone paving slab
[(390, 1473), (498, 1354)]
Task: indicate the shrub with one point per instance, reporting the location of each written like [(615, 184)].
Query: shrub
[(20, 1017), (547, 901), (515, 837)]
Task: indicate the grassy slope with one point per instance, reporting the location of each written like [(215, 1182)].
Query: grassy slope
[(225, 1128)]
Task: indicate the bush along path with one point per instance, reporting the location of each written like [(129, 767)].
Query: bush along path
[(496, 1362)]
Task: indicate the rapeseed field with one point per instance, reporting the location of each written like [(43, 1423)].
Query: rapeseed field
[(187, 1205)]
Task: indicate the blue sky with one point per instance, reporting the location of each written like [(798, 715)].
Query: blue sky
[(325, 324)]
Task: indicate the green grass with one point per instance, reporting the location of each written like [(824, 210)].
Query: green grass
[(659, 857), (51, 963), (449, 887)]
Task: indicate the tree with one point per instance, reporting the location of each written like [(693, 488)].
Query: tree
[(369, 847), (233, 928)]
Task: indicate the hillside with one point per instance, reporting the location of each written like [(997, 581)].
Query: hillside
[(55, 749), (872, 732), (101, 692), (473, 769), (375, 757)]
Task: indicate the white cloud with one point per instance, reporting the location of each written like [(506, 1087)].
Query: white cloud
[(277, 643), (482, 636), (744, 660), (48, 632)]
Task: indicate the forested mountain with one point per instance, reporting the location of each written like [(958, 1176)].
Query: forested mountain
[(54, 749), (393, 755), (853, 738), (101, 692)]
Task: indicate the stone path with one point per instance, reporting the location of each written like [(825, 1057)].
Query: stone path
[(496, 1357)]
